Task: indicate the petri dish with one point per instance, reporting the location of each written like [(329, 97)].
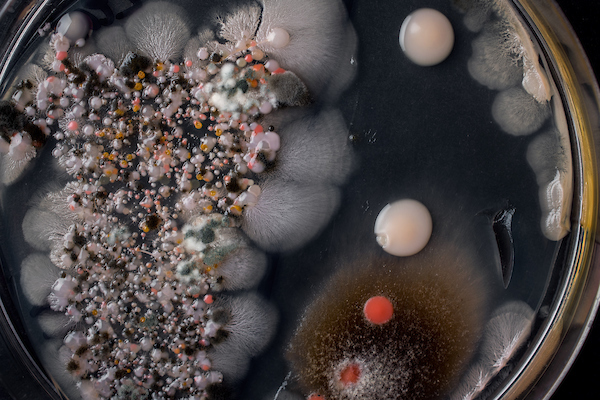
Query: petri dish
[(191, 192)]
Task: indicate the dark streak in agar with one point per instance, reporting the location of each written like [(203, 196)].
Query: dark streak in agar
[(502, 226)]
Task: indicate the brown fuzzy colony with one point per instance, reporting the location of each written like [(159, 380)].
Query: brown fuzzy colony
[(419, 354)]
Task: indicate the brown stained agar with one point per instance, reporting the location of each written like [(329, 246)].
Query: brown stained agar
[(420, 353)]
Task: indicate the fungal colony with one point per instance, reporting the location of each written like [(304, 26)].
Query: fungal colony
[(183, 155)]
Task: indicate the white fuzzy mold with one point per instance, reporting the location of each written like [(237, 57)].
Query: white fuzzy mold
[(159, 30), (314, 147), (518, 113)]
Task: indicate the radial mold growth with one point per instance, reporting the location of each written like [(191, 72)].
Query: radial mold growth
[(506, 58), (404, 227), (426, 37)]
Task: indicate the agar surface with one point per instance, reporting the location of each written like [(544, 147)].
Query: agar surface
[(426, 37), (185, 154)]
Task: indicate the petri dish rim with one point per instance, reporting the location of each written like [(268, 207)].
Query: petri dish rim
[(559, 339), (576, 283)]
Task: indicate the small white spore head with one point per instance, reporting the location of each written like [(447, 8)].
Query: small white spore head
[(403, 228), (426, 37)]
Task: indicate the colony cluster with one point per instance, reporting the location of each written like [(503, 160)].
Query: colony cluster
[(187, 155), (151, 145)]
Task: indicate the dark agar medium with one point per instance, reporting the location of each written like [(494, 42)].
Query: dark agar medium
[(276, 199)]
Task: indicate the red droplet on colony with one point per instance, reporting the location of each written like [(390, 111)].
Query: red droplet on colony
[(378, 310), (350, 374), (72, 126), (315, 396)]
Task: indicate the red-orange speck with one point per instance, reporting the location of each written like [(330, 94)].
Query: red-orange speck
[(378, 310), (350, 374)]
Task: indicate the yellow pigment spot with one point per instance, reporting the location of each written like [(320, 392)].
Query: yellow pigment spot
[(199, 177), (141, 75), (138, 86), (136, 108), (198, 124), (219, 132), (94, 312), (204, 147)]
